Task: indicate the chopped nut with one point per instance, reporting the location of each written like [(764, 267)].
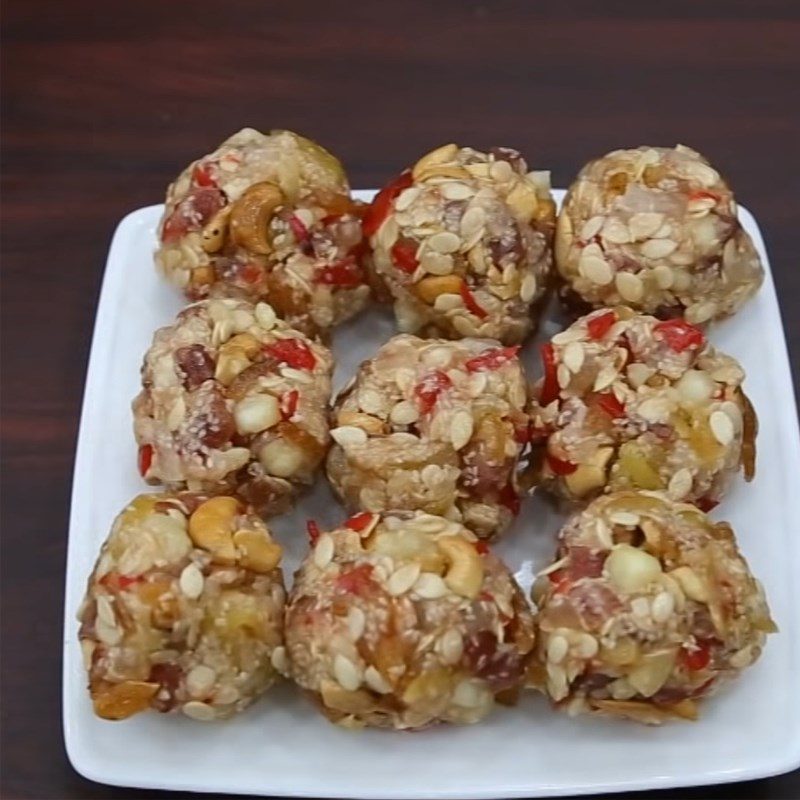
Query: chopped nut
[(631, 569), (256, 413)]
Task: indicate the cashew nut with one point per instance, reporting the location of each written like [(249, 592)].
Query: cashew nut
[(211, 528), (258, 552), (464, 575), (429, 288), (250, 216), (213, 236)]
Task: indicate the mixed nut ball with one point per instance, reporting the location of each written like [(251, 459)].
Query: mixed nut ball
[(233, 401), (405, 619), (402, 617), (655, 228), (631, 402), (433, 425), (184, 609), (463, 243), (648, 608), (267, 217)]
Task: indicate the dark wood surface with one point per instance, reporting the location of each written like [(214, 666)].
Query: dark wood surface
[(103, 103)]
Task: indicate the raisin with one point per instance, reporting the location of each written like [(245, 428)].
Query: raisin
[(500, 668), (208, 424), (169, 677), (195, 365), (505, 246), (514, 157)]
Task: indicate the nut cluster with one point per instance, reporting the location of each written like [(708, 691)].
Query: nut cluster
[(404, 619), (631, 402), (267, 217), (463, 243), (655, 228), (184, 609), (648, 608), (233, 400), (433, 425)]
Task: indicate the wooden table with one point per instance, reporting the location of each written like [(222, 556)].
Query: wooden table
[(103, 103)]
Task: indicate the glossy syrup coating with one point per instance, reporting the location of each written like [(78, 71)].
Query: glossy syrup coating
[(649, 608), (267, 217), (655, 228), (183, 610), (628, 401), (463, 244), (404, 619), (233, 400), (433, 425)]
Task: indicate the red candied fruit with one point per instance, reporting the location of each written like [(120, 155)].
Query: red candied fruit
[(293, 352), (381, 205)]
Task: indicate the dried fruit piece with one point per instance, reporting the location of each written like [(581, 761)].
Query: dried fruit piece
[(598, 326), (381, 204), (427, 391), (145, 459), (345, 273), (679, 334), (122, 700), (550, 389), (492, 359), (292, 351), (470, 302)]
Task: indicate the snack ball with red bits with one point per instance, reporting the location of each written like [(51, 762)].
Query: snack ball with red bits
[(463, 244), (183, 611), (628, 401), (403, 620), (433, 425), (233, 401), (649, 608), (267, 217), (655, 228)]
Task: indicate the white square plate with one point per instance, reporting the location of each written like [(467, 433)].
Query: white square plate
[(282, 746)]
